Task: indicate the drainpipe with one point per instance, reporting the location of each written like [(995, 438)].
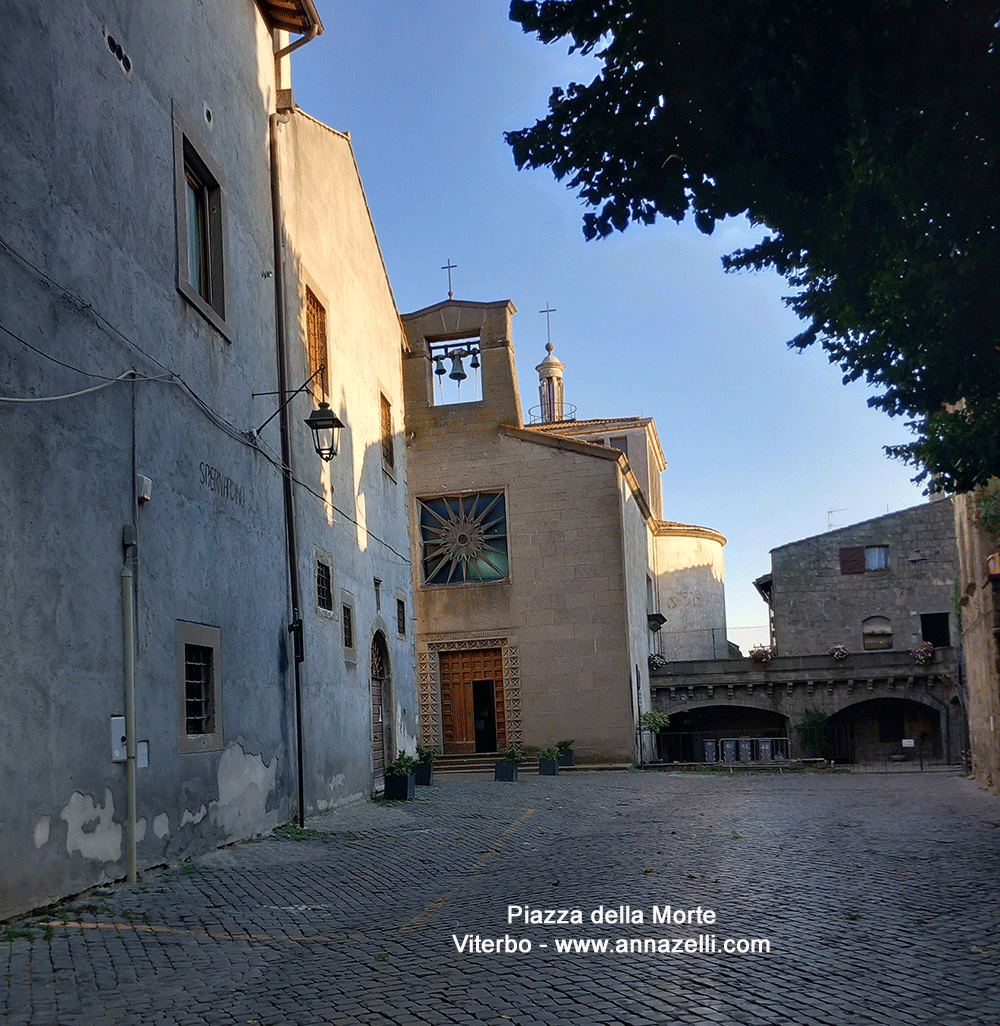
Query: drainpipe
[(314, 30), (128, 634), (295, 627)]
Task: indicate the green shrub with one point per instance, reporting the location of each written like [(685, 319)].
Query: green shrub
[(402, 766)]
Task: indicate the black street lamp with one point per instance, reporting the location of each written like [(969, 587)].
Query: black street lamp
[(325, 426)]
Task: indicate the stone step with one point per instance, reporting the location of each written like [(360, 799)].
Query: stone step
[(478, 762)]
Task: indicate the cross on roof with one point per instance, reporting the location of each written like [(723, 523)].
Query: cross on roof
[(548, 323), (449, 267)]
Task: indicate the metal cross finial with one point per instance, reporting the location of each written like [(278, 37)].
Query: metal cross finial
[(449, 267), (548, 323)]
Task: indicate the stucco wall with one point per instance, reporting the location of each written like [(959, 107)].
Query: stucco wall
[(690, 576), (362, 525), (637, 563), (89, 279)]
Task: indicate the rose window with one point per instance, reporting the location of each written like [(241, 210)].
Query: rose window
[(464, 538)]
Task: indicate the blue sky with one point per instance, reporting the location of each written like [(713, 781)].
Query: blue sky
[(761, 442)]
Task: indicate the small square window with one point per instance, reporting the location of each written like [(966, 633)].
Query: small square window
[(324, 586), (199, 690), (935, 628), (400, 617), (200, 200), (876, 557)]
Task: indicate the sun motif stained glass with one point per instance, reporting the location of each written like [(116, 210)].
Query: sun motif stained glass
[(464, 538)]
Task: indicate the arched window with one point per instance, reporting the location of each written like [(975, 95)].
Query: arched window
[(877, 632)]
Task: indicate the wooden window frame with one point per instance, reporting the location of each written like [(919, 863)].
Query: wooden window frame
[(197, 175)]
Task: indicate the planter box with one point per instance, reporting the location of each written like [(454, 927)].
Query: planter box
[(548, 767), (425, 774), (398, 789), (567, 759), (505, 771)]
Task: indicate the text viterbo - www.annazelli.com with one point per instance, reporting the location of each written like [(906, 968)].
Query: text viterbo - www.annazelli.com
[(705, 943), (602, 915)]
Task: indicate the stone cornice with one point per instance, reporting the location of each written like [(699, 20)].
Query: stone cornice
[(669, 528)]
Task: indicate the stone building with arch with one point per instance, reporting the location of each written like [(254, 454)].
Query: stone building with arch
[(878, 589)]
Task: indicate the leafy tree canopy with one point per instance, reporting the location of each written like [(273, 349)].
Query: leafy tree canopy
[(864, 136)]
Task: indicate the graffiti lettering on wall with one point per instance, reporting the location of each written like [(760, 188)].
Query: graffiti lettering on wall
[(216, 481)]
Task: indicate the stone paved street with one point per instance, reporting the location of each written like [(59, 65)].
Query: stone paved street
[(878, 894)]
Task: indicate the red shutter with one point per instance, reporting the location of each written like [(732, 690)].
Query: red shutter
[(852, 560)]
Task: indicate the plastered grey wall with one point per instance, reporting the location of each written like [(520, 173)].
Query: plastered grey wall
[(816, 606), (89, 281)]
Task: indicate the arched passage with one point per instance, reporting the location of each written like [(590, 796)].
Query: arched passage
[(689, 729), (874, 731)]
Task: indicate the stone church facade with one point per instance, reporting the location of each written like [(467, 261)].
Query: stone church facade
[(537, 553)]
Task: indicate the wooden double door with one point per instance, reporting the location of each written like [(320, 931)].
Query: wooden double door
[(472, 708)]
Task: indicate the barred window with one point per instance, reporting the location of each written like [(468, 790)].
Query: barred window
[(400, 617), (388, 454), (348, 620), (324, 586), (199, 688), (199, 714), (316, 338)]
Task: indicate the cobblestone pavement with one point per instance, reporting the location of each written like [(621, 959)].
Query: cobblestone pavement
[(878, 894)]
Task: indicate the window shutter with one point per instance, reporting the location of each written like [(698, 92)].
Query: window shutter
[(852, 560)]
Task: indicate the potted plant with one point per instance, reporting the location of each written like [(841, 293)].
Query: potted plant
[(837, 651), (425, 765), (761, 654), (564, 749), (654, 722), (548, 762), (400, 778), (510, 759), (923, 653)]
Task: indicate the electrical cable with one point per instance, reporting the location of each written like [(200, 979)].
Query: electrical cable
[(82, 303), (70, 395), (35, 349), (175, 379)]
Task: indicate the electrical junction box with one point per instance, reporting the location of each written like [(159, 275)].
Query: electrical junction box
[(118, 753), (142, 755)]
